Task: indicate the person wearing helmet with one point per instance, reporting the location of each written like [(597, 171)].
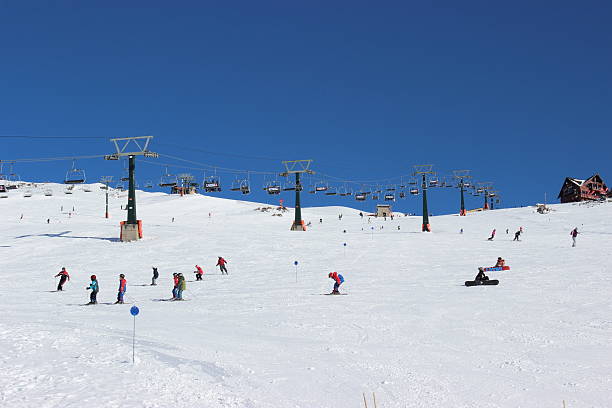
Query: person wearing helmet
[(122, 289), (155, 276), (94, 290), (338, 280), (500, 262)]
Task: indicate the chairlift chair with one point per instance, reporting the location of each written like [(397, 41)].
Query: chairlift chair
[(149, 184), (331, 191), (212, 184), (119, 186), (87, 189), (402, 195), (374, 196), (168, 180), (389, 197), (414, 191), (433, 182), (321, 187), (74, 175), (48, 193), (360, 196), (2, 188), (273, 188), (27, 193), (391, 187)]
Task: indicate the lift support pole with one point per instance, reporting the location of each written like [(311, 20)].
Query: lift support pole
[(297, 167)]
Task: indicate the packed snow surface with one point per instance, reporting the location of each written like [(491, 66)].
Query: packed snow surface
[(265, 336)]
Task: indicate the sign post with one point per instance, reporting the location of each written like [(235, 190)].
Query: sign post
[(134, 311)]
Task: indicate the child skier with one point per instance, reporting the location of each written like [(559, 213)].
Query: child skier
[(94, 290), (338, 280), (221, 264), (175, 287), (574, 234), (181, 286), (122, 289), (155, 276), (63, 274), (198, 272)]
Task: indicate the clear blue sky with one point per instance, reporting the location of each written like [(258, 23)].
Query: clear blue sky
[(519, 92)]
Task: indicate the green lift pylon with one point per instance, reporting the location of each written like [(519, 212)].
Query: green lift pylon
[(297, 167), (424, 170), (131, 229), (462, 175)]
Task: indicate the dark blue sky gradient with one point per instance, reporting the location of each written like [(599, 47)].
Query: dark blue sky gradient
[(519, 92)]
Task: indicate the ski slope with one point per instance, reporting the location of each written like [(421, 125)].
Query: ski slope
[(409, 331)]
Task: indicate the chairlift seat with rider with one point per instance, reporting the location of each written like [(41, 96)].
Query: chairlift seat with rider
[(389, 197), (414, 191), (360, 196), (212, 184)]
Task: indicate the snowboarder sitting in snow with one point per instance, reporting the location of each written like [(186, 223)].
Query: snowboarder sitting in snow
[(94, 290), (122, 289), (63, 274), (198, 272), (481, 277), (338, 280), (500, 262)]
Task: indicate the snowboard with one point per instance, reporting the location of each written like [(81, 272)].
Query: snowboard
[(334, 294), (475, 283), (497, 268)]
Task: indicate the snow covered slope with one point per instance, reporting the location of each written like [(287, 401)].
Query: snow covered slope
[(408, 329)]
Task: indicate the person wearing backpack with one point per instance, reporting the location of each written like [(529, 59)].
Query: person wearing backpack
[(338, 280)]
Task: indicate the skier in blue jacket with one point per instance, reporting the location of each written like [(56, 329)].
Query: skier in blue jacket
[(94, 290)]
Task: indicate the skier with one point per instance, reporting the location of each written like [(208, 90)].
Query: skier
[(361, 215), (122, 289), (48, 220), (94, 290), (198, 272), (517, 234), (338, 280), (507, 231), (574, 234), (155, 276), (500, 262), (63, 274), (481, 277), (175, 287), (221, 264), (461, 231), (181, 287), (492, 235)]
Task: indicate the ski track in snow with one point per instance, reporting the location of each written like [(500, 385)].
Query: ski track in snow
[(408, 330)]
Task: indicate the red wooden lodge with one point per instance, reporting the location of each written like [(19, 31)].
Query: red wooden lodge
[(575, 190)]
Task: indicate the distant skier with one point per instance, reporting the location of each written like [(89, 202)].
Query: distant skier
[(461, 231), (320, 220), (338, 280), (48, 220), (198, 272), (122, 289), (361, 214), (574, 234), (94, 290), (500, 262), (517, 234), (492, 235), (507, 231), (221, 264), (155, 276), (63, 274), (181, 286)]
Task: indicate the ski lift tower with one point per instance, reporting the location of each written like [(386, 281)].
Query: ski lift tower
[(492, 195), (106, 180), (462, 175), (131, 230), (486, 187), (424, 170), (297, 167)]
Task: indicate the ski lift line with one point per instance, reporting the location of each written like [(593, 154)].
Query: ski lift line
[(179, 166), (191, 149), (50, 137), (211, 167), (51, 159)]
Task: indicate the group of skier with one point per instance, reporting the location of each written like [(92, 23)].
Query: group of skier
[(177, 290)]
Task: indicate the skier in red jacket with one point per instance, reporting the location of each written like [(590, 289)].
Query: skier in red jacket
[(63, 274), (198, 272), (221, 264), (122, 289), (338, 280)]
